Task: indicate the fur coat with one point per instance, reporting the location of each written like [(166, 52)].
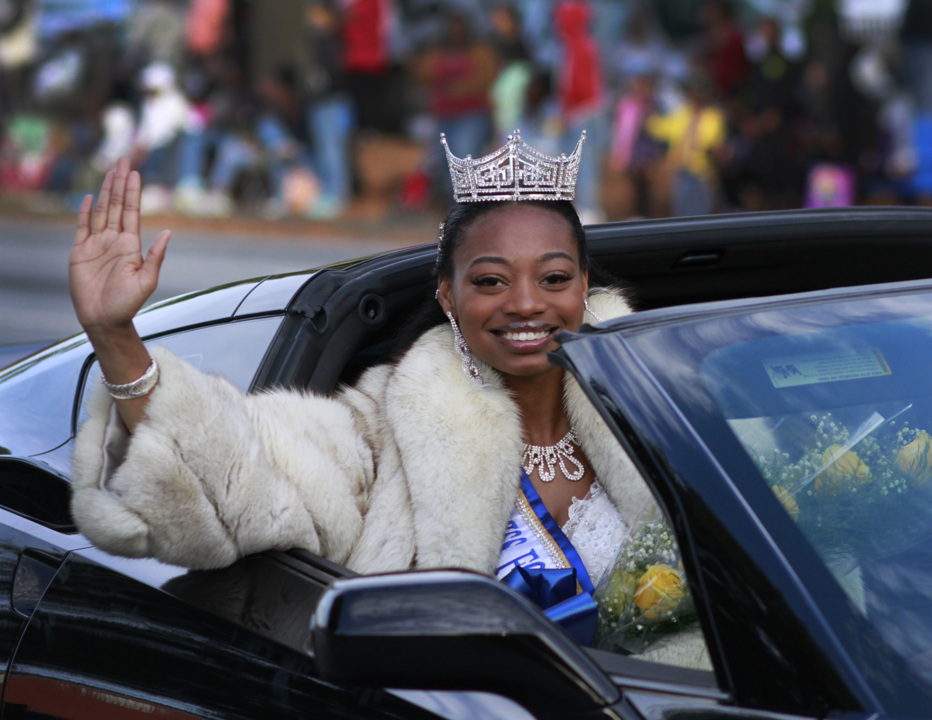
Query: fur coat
[(415, 466)]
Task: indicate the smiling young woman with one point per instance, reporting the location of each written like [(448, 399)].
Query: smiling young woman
[(517, 281), (467, 450)]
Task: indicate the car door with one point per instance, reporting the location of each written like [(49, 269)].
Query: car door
[(35, 536), (112, 637), (118, 638), (694, 393)]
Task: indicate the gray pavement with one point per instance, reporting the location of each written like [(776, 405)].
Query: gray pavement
[(34, 301)]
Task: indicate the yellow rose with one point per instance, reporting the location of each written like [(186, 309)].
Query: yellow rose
[(844, 468), (660, 590), (787, 499), (915, 459)]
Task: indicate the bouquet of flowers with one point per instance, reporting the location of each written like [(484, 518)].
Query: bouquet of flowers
[(644, 595), (854, 491)]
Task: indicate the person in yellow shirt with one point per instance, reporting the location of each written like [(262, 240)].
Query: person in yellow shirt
[(694, 132)]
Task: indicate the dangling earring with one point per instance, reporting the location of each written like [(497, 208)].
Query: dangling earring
[(459, 342), (589, 310)]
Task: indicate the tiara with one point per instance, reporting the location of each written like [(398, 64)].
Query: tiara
[(515, 171)]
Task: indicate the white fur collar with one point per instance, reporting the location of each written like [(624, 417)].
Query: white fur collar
[(461, 447)]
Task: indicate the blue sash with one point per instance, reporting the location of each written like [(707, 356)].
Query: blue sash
[(539, 561)]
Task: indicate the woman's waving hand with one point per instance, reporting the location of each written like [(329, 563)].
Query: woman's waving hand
[(110, 280)]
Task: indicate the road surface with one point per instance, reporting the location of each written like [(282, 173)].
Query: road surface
[(34, 301)]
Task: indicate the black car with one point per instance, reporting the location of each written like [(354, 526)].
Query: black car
[(772, 390)]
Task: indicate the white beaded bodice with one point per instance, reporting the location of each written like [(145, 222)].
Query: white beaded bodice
[(596, 530)]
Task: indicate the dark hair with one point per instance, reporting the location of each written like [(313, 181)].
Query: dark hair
[(463, 215)]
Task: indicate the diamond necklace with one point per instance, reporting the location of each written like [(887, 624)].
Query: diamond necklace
[(547, 457)]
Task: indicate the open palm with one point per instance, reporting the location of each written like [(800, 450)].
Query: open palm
[(109, 278)]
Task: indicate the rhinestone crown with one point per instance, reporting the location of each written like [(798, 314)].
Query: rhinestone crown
[(515, 171)]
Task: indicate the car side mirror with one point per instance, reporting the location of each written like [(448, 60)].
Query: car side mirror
[(453, 630)]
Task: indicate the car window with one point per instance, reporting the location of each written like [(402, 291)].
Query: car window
[(838, 421), (233, 350)]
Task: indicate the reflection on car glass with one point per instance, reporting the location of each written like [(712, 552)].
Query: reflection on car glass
[(782, 374), (196, 359), (233, 350)]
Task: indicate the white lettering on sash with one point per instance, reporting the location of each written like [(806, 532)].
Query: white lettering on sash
[(521, 548)]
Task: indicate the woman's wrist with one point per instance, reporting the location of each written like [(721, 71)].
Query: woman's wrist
[(122, 355)]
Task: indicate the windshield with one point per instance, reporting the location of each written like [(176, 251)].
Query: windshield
[(832, 401)]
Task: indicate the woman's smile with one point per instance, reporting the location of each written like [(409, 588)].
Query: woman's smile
[(526, 337)]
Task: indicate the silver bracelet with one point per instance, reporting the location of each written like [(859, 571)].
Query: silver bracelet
[(137, 388)]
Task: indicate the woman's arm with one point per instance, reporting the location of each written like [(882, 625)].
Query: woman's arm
[(111, 281), (211, 475)]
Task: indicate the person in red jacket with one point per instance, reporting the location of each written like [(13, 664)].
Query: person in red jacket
[(581, 97), (367, 63), (725, 57)]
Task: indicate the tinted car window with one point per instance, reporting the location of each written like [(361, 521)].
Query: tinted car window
[(233, 350), (37, 398), (838, 423), (832, 402)]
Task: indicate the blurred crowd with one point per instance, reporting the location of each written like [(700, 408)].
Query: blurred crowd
[(689, 107)]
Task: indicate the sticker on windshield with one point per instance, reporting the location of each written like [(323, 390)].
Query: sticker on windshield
[(825, 367)]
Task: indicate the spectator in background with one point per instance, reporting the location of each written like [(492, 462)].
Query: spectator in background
[(694, 132), (643, 44), (771, 178), (457, 70), (19, 50), (219, 141), (283, 133), (828, 106), (916, 58), (644, 67), (916, 42), (582, 100), (256, 148), (541, 124), (635, 158), (509, 91), (819, 129), (261, 151), (118, 130), (163, 116), (367, 62), (882, 177), (725, 59), (155, 33), (330, 110)]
